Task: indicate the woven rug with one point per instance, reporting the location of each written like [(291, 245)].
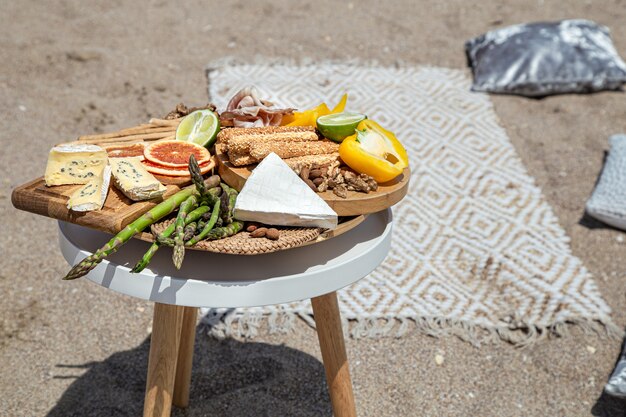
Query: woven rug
[(477, 252)]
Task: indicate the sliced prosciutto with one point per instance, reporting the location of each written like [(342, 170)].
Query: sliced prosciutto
[(246, 109)]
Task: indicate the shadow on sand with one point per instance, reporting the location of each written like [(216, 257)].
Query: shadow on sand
[(607, 405), (229, 378)]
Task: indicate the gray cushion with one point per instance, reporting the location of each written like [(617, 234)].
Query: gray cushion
[(539, 59), (608, 201)]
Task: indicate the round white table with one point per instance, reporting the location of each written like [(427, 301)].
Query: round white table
[(217, 280)]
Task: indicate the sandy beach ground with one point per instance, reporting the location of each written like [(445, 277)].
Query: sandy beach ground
[(76, 349)]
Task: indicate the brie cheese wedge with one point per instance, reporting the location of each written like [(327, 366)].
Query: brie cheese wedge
[(275, 195), (92, 195)]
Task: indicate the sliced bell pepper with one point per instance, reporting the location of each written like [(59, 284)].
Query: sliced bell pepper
[(374, 151), (309, 117), (341, 106)]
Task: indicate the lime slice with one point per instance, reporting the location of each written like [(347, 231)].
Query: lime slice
[(339, 126), (199, 127)]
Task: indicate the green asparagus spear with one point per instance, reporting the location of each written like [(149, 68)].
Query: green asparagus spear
[(211, 195), (219, 233), (212, 182), (147, 257), (179, 244), (215, 234), (229, 196), (196, 175), (166, 241), (155, 214), (222, 232), (207, 228), (190, 230)]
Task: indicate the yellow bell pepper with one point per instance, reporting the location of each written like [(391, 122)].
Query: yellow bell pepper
[(309, 117), (374, 151)]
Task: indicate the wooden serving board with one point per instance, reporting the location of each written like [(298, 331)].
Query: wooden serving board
[(355, 204), (117, 212)]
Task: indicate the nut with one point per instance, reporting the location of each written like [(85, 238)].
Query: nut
[(260, 232), (304, 173), (315, 173), (252, 227), (310, 184), (272, 233), (341, 191)]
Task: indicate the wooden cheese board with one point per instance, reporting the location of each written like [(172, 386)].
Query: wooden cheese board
[(117, 212), (355, 204)]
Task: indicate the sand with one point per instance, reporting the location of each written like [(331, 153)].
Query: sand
[(76, 349)]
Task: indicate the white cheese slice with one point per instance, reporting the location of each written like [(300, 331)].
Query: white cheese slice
[(275, 195), (74, 164), (92, 195), (132, 178)]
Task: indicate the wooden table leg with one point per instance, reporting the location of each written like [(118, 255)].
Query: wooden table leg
[(166, 326), (332, 345), (185, 357)]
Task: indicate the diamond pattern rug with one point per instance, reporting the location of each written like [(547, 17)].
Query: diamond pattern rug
[(477, 252)]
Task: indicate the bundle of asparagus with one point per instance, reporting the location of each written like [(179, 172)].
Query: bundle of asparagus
[(204, 212)]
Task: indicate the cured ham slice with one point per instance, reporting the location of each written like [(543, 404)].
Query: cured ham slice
[(246, 109)]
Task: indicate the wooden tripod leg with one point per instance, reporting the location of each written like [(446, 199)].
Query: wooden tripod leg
[(166, 325), (185, 357), (332, 345)]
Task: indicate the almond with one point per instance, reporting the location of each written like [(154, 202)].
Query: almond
[(272, 234), (304, 173), (260, 232), (315, 173)]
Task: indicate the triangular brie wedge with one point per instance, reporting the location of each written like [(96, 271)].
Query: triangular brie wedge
[(275, 195)]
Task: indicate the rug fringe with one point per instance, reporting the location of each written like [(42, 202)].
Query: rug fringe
[(225, 323)]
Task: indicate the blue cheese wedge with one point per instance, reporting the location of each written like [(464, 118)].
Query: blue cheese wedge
[(75, 164), (275, 195), (132, 178), (92, 195)]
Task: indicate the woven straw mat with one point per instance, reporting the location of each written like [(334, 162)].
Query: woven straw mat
[(243, 244)]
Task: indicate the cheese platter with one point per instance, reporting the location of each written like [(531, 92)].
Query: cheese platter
[(286, 179)]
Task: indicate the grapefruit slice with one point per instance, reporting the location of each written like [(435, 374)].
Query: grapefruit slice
[(175, 153), (126, 151), (176, 171)]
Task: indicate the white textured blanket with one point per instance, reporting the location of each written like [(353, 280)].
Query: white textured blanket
[(477, 252)]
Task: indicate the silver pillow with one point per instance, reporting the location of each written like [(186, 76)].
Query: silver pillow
[(539, 59), (608, 200)]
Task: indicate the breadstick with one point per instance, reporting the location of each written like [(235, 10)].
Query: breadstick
[(286, 149)]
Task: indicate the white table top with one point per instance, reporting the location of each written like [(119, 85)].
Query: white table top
[(218, 280)]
